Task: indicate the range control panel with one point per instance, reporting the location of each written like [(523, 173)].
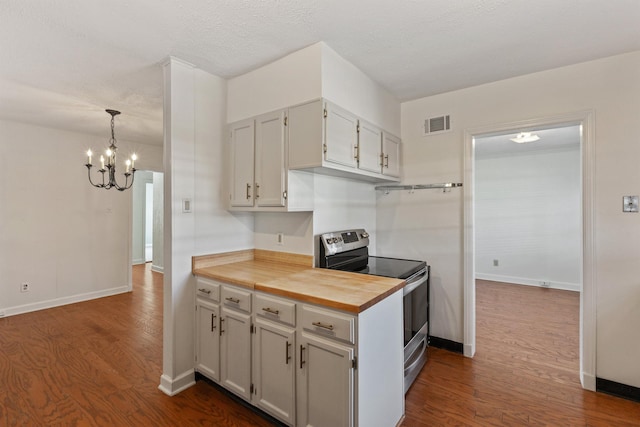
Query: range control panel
[(345, 240)]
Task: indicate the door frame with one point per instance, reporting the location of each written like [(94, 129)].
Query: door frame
[(586, 119)]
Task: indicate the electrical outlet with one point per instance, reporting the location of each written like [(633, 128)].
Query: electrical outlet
[(24, 287), (280, 239)]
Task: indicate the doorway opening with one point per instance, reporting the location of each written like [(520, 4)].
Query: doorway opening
[(147, 220), (528, 240), (584, 122)]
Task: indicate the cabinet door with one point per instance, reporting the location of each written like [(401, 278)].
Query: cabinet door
[(274, 370), (341, 136), (242, 156), (391, 155), (369, 148), (269, 159), (235, 355), (208, 340), (325, 383)]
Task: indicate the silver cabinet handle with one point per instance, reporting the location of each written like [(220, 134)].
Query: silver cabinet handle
[(213, 321), (205, 291), (323, 325), (302, 362), (386, 161), (355, 152), (257, 190), (287, 357), (248, 189), (271, 310), (381, 159), (233, 300)]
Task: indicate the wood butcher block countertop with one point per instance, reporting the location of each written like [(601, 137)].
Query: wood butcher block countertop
[(292, 276)]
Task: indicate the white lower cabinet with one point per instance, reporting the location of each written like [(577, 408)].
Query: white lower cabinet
[(235, 341), (274, 370), (208, 341), (303, 364), (325, 383)]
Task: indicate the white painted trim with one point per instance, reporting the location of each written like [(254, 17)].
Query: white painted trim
[(565, 286), (138, 261), (588, 295), (588, 305), (171, 387), (57, 302), (157, 268), (468, 258)]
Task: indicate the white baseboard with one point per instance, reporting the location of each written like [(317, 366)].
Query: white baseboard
[(138, 261), (57, 302), (171, 387), (529, 282), (588, 381), (157, 268)]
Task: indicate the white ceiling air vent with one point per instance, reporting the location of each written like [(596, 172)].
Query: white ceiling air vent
[(436, 125)]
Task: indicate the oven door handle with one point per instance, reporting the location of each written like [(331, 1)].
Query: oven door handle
[(410, 287), (417, 358)]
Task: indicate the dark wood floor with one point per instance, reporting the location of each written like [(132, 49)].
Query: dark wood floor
[(525, 371), (98, 363)]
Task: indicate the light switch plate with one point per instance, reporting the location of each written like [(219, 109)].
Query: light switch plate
[(629, 203), (186, 205)]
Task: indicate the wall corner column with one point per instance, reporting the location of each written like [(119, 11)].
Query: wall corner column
[(179, 227)]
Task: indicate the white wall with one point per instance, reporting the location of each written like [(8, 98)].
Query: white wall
[(429, 224), (68, 240), (528, 217), (291, 80), (195, 167), (345, 85)]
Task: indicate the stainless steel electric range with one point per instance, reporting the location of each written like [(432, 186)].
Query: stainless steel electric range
[(348, 250)]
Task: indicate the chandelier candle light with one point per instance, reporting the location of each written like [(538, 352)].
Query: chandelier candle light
[(110, 165)]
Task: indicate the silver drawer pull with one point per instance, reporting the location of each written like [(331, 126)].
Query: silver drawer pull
[(322, 325), (271, 310), (205, 291), (233, 300)]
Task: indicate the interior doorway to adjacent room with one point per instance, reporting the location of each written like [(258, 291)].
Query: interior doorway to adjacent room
[(147, 219), (528, 250), (587, 334)]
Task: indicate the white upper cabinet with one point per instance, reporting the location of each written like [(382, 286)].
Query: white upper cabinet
[(369, 146), (328, 139), (390, 155), (340, 136), (242, 157), (260, 180), (270, 185)]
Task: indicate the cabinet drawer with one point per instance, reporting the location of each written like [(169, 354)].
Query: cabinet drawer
[(208, 289), (236, 298), (276, 309), (328, 323)]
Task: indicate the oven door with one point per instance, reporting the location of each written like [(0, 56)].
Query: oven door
[(416, 325)]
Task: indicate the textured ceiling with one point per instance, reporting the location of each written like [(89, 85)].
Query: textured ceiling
[(63, 62)]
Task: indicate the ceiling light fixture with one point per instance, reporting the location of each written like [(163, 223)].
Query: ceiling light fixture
[(110, 164), (523, 137)]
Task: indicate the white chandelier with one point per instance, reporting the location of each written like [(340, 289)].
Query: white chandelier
[(110, 165)]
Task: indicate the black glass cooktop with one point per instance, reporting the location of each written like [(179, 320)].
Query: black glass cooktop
[(392, 267)]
